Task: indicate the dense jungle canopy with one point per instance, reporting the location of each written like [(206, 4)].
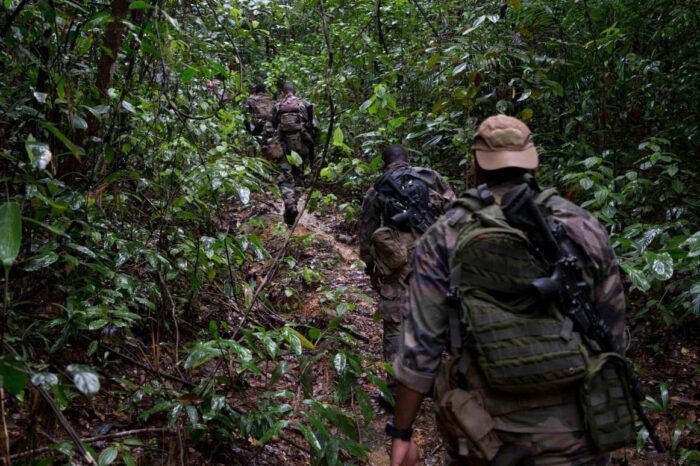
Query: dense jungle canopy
[(155, 308)]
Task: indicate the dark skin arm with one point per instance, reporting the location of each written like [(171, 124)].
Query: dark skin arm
[(405, 453), (407, 405)]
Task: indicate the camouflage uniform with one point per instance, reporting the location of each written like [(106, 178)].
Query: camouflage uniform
[(392, 289), (547, 427), (301, 142), (262, 124)]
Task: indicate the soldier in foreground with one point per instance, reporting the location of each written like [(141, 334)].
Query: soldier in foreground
[(537, 379), (400, 206), (297, 130)]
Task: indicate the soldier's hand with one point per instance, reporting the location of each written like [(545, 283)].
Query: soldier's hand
[(404, 453)]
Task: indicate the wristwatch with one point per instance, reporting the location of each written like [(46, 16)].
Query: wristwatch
[(393, 432)]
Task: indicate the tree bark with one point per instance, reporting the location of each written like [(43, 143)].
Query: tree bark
[(112, 42)]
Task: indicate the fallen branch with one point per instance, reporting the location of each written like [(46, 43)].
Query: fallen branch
[(126, 433)]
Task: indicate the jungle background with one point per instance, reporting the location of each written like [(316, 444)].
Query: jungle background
[(155, 308)]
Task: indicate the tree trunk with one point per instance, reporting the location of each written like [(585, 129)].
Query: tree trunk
[(112, 42)]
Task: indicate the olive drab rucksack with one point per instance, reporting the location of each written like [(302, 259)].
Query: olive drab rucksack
[(523, 344), (405, 199), (291, 116), (261, 105)]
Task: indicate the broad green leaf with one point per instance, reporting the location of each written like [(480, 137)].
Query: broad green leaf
[(340, 363), (662, 265), (310, 437), (302, 339), (294, 159), (272, 431), (12, 378), (85, 379), (75, 150), (10, 233), (128, 107), (338, 138), (107, 456), (586, 183), (637, 277), (39, 154), (139, 5), (693, 244), (40, 261), (79, 122)]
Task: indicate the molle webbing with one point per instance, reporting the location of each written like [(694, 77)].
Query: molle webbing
[(523, 345)]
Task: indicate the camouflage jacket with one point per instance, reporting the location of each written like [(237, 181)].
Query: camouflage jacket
[(306, 109), (425, 329), (371, 215)]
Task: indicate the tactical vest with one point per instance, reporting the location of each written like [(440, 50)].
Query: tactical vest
[(523, 345), (261, 106), (292, 118)]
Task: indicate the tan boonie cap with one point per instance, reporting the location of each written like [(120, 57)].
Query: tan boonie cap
[(502, 141)]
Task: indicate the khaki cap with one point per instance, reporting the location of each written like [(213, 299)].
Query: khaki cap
[(502, 141)]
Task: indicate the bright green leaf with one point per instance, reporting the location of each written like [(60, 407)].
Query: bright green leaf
[(10, 233)]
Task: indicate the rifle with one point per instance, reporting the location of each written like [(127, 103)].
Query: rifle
[(413, 215), (567, 284)]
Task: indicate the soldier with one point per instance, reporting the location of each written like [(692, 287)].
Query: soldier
[(297, 128), (388, 228), (260, 106), (479, 423)]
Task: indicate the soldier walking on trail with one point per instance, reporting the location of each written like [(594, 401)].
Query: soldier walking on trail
[(523, 385), (297, 129), (260, 106), (400, 206)]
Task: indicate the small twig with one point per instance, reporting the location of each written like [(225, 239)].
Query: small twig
[(136, 363), (58, 413), (173, 313), (425, 18), (126, 433), (5, 433)]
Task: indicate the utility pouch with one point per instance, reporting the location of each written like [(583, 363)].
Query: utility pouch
[(607, 403), (389, 252), (290, 122), (273, 149), (465, 410)]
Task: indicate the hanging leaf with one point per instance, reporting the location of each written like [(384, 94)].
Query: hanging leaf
[(85, 379), (39, 153), (75, 150), (340, 363), (294, 159), (12, 378), (10, 233), (79, 122)]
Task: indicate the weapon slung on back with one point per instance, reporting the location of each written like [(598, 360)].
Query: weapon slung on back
[(413, 215), (566, 284)]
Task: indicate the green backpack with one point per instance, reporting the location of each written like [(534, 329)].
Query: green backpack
[(522, 345)]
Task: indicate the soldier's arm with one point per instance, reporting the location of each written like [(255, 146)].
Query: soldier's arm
[(609, 296), (424, 325)]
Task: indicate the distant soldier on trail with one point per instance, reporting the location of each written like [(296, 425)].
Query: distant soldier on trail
[(260, 106), (297, 129), (400, 206)]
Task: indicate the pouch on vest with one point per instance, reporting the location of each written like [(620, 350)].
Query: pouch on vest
[(273, 149), (605, 397), (465, 410), (290, 122), (389, 252), (523, 345)]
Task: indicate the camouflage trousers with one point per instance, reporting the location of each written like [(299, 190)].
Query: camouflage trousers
[(540, 449), (291, 178), (287, 181), (391, 294)]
